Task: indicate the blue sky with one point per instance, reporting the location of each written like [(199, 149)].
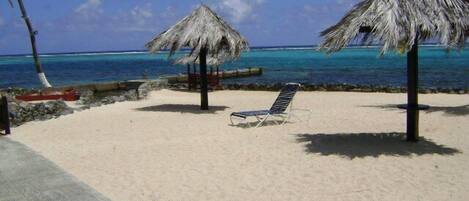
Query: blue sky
[(101, 25)]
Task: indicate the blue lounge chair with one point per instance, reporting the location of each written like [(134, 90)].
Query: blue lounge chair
[(278, 109)]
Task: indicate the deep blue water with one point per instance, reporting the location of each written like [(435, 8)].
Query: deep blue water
[(363, 66)]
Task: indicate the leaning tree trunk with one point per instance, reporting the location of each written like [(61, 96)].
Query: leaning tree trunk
[(32, 35)]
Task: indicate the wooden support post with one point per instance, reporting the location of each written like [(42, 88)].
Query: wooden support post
[(218, 75), (195, 80), (203, 79), (4, 115), (189, 84), (412, 93)]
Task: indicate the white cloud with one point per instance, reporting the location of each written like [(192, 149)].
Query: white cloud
[(141, 14), (89, 9), (239, 10), (169, 12), (90, 15)]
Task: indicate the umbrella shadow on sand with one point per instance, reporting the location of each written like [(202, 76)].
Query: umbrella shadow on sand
[(462, 110), (360, 145), (182, 108)]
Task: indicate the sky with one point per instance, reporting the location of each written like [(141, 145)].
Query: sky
[(119, 25)]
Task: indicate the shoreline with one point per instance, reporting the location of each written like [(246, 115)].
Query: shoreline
[(246, 87), (97, 95)]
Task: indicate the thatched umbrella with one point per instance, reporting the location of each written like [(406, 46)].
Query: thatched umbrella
[(399, 25), (207, 35)]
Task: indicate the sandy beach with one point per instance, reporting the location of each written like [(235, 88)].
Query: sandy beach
[(351, 148)]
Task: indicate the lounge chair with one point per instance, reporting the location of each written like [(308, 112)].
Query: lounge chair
[(278, 109), (4, 116)]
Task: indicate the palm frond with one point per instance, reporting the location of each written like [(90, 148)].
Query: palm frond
[(396, 23)]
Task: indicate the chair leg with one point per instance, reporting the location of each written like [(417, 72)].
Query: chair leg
[(286, 118), (278, 122), (263, 120), (231, 120)]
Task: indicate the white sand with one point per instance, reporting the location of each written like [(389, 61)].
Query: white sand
[(128, 154)]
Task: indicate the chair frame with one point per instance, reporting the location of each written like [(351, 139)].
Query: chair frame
[(285, 116)]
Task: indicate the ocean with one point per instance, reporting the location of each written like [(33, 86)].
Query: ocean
[(439, 68)]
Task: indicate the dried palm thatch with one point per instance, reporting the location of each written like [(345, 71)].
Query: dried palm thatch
[(202, 29), (396, 23)]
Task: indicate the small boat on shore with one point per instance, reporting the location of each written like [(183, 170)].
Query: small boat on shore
[(67, 95)]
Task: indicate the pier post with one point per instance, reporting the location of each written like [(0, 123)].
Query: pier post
[(189, 76), (218, 75), (210, 77)]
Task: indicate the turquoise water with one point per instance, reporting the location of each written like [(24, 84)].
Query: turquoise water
[(362, 66)]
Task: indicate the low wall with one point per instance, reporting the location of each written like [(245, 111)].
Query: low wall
[(91, 95)]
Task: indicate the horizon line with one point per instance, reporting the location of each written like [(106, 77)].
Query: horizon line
[(184, 49)]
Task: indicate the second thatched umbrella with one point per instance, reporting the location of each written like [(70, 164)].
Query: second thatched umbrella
[(400, 25), (207, 35)]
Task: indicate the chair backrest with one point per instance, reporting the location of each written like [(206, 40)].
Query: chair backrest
[(4, 115), (284, 98)]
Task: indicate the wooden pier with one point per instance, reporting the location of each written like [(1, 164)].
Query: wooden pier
[(214, 74), (193, 79)]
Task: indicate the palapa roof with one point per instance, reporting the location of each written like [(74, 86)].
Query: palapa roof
[(202, 29), (395, 24)]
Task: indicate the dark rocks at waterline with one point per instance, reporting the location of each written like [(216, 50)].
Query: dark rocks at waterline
[(122, 96), (342, 87), (22, 112), (12, 92), (144, 89), (93, 98), (89, 98)]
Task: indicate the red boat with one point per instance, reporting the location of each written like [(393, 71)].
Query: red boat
[(68, 95)]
